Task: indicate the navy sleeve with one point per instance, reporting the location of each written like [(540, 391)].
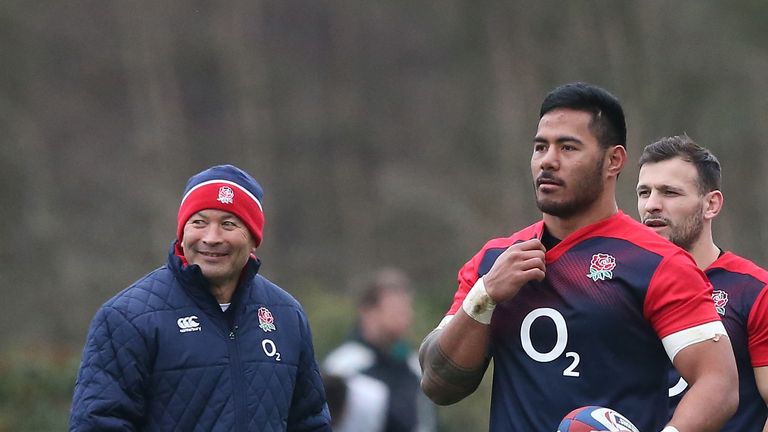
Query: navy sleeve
[(109, 391), (309, 410)]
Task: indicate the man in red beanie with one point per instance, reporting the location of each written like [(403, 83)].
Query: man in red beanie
[(203, 342)]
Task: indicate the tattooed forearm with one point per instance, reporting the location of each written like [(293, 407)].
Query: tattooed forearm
[(442, 380)]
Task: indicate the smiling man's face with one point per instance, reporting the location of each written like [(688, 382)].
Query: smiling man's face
[(218, 242)]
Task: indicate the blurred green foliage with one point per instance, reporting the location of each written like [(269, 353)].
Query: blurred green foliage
[(36, 389)]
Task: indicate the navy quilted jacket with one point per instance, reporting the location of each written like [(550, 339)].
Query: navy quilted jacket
[(162, 356)]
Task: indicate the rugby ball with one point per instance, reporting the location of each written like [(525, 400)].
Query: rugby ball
[(595, 419)]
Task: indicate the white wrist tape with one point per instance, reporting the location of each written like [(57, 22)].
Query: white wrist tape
[(670, 429), (478, 304)]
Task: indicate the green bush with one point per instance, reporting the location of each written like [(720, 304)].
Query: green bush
[(36, 389)]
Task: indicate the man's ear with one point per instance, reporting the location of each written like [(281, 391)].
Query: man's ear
[(713, 203), (615, 158)]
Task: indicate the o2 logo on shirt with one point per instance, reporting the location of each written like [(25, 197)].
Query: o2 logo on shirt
[(560, 344)]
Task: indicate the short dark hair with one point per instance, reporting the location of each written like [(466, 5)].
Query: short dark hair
[(387, 279), (682, 146), (607, 123)]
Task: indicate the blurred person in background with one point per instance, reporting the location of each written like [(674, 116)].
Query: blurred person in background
[(336, 394), (357, 402), (380, 369), (203, 342), (678, 196), (586, 306)]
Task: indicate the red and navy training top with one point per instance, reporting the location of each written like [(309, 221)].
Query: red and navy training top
[(741, 299), (590, 332)]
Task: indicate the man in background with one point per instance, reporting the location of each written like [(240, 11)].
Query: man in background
[(380, 369), (678, 196)]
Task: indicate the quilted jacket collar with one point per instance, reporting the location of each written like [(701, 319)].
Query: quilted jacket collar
[(192, 279)]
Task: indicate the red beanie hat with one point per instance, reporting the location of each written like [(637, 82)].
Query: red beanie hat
[(226, 188)]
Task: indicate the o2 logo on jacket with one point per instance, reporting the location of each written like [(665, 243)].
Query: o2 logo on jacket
[(188, 324), (270, 349)]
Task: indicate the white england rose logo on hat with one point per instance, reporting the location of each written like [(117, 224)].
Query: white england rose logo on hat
[(226, 195)]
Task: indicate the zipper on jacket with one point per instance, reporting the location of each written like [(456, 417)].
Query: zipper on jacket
[(238, 381)]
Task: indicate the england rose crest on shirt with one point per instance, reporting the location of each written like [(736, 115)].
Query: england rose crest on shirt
[(720, 298), (226, 195), (601, 267), (266, 320)]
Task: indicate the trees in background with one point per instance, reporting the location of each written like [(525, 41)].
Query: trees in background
[(383, 132)]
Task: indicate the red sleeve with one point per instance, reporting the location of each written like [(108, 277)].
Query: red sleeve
[(467, 278), (757, 329), (679, 296)]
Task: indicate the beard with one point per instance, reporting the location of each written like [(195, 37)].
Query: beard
[(584, 192), (685, 234)]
